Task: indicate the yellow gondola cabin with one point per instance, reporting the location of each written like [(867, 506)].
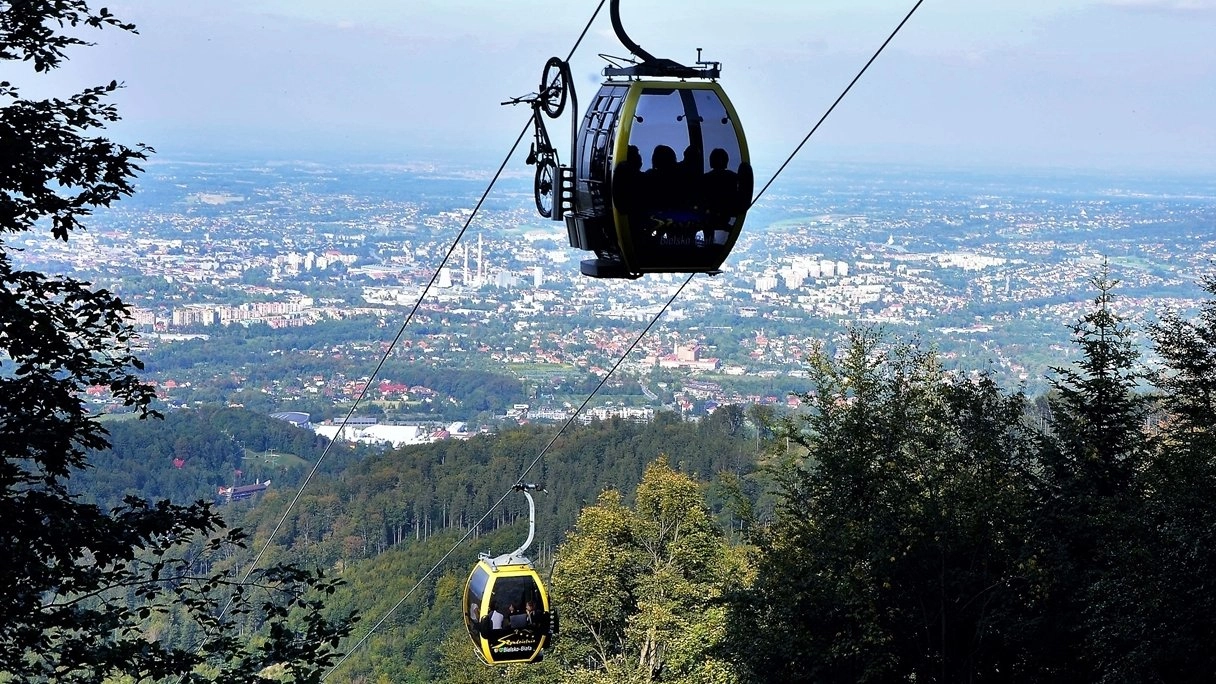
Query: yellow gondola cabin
[(506, 606)]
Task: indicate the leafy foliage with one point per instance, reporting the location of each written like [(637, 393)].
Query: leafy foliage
[(79, 583), (641, 586)]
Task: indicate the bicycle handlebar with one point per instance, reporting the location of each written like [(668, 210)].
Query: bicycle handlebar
[(530, 98)]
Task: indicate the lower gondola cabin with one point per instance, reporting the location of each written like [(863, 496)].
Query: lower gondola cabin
[(507, 614)]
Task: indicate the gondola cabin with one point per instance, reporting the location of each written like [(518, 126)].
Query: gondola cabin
[(506, 607), (662, 180), (506, 610)]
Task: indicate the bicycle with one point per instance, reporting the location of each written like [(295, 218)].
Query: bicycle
[(550, 98)]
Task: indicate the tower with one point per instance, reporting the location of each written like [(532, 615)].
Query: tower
[(481, 264)]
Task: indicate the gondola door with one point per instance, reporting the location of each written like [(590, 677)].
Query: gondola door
[(684, 186)]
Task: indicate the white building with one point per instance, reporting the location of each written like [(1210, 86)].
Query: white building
[(394, 435), (766, 283)]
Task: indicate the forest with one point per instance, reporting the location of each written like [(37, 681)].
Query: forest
[(906, 523)]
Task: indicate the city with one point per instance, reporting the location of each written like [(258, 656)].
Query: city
[(989, 269)]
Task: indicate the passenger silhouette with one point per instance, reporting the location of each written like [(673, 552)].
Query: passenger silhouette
[(663, 176), (720, 188), (518, 618), (627, 181), (692, 166), (642, 194), (661, 182)]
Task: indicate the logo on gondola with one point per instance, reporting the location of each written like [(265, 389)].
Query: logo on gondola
[(675, 240), (677, 229), (516, 643)]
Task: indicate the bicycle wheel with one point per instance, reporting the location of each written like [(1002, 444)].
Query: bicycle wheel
[(554, 87), (545, 186)]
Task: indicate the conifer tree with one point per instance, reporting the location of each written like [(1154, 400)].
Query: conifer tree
[(1091, 518), (1177, 589), (899, 549), (1097, 413), (1188, 379)]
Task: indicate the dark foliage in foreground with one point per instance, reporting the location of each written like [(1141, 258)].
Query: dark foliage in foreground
[(79, 583), (935, 528)]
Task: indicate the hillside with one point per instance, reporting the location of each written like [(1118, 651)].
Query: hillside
[(382, 520)]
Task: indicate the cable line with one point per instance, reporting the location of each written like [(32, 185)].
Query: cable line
[(838, 99), (612, 370), (392, 345), (477, 525), (473, 528), (579, 41), (383, 358), (379, 366), (577, 412)]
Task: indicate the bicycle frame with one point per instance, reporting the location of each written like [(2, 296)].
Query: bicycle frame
[(551, 97)]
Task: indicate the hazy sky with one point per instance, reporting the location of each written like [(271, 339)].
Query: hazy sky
[(1109, 84)]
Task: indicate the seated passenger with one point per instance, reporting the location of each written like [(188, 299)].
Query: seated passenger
[(632, 197), (535, 617), (724, 194), (720, 187), (626, 181), (662, 180), (692, 167)]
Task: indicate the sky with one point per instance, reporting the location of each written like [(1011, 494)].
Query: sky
[(1120, 85)]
